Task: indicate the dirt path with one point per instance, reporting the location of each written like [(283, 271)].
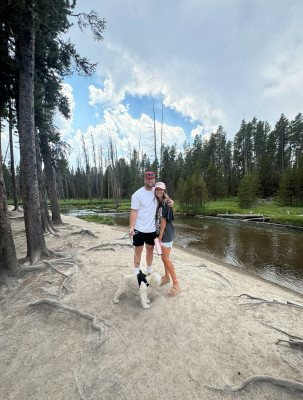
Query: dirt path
[(209, 335)]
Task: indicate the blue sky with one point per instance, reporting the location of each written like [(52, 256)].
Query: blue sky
[(210, 62)]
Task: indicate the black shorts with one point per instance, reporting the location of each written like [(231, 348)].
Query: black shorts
[(140, 238)]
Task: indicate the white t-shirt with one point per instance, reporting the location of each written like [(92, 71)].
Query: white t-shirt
[(144, 201)]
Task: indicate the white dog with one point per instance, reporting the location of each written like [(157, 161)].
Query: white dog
[(130, 281)]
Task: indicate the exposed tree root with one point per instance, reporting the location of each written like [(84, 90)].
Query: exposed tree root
[(124, 245), (262, 301), (101, 247), (111, 326), (218, 273), (46, 264), (285, 383), (84, 232), (214, 272), (92, 318), (63, 286), (293, 341)]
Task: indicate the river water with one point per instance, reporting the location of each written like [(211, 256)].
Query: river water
[(271, 252)]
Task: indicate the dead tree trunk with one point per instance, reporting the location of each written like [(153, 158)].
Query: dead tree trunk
[(87, 168), (115, 182), (95, 166), (101, 173)]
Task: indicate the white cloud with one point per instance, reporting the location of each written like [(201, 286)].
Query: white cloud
[(126, 132), (107, 97), (197, 131), (233, 60), (65, 125)]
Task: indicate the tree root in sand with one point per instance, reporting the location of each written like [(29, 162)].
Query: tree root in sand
[(84, 232), (46, 264), (101, 247), (92, 318), (293, 340), (264, 301), (285, 383), (210, 270), (63, 286), (106, 247)]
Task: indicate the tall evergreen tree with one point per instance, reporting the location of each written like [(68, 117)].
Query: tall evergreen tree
[(281, 133), (296, 137)]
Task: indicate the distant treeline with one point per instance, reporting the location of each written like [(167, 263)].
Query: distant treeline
[(259, 162)]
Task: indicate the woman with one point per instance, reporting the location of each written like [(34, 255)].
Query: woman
[(166, 234)]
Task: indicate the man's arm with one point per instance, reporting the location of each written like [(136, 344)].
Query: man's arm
[(132, 219), (170, 202)]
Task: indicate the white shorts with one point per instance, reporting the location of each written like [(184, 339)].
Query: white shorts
[(167, 244)]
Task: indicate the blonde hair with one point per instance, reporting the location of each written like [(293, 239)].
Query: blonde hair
[(164, 200)]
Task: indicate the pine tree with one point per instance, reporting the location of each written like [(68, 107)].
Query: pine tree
[(248, 189)]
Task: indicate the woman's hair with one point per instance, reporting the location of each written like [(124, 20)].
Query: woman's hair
[(164, 201)]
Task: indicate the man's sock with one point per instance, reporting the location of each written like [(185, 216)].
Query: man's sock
[(137, 270), (148, 270)]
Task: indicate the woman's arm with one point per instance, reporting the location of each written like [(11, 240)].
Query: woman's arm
[(162, 228)]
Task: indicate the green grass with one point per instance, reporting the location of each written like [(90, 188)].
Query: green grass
[(108, 204), (99, 219), (278, 214)]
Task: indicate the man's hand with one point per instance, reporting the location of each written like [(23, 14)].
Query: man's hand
[(170, 202), (131, 232)]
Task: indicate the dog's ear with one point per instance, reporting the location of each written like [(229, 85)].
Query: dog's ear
[(140, 278)]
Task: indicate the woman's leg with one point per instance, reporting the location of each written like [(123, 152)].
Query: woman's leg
[(168, 265)]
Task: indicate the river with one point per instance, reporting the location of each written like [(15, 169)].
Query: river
[(271, 252)]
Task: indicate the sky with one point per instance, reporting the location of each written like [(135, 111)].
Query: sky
[(206, 62)]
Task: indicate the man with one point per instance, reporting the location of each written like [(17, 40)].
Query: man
[(142, 219)]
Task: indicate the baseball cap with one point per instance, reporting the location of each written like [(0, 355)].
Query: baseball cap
[(160, 185), (149, 175)]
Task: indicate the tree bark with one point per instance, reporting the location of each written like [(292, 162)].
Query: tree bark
[(50, 179), (28, 167), (11, 144), (8, 258), (45, 218)]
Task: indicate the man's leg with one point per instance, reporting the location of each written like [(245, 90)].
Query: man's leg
[(149, 254), (137, 256)]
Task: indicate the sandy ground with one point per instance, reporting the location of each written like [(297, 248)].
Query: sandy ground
[(208, 335)]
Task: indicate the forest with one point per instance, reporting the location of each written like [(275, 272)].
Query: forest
[(261, 161)]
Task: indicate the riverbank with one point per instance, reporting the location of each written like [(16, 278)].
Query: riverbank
[(269, 209), (222, 329)]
